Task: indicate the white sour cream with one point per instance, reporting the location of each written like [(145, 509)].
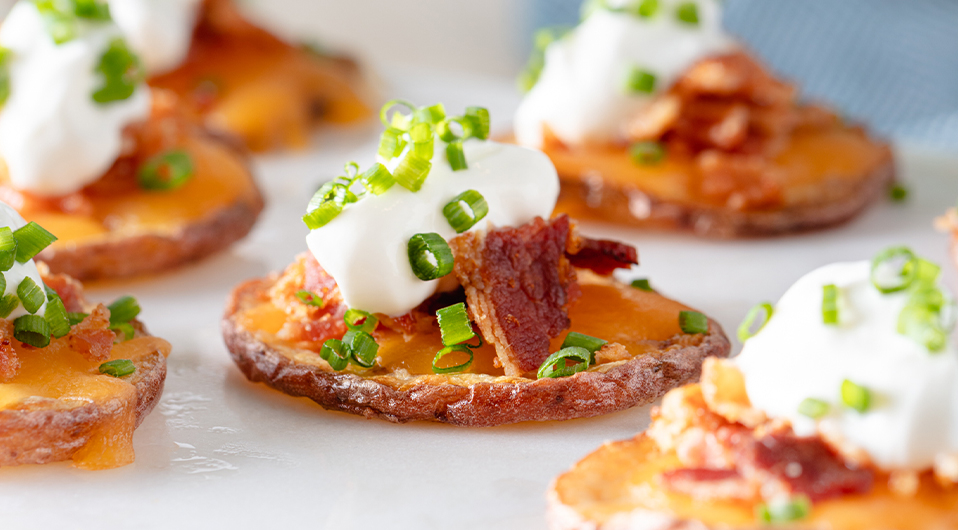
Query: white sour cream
[(365, 247), (54, 137), (10, 218), (913, 416), (160, 31), (580, 94)]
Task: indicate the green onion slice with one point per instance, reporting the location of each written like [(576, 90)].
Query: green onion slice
[(336, 353), (898, 193), (310, 298), (641, 283), (478, 120), (854, 396), (647, 153), (125, 330), (813, 408), (792, 509), (448, 134), (743, 332), (322, 214), (430, 256), (8, 248), (455, 156), (118, 367), (56, 316), (647, 8), (8, 303), (556, 365), (30, 294), (579, 340), (461, 348), (421, 135), (454, 324), (828, 307), (31, 240), (892, 270), (121, 72), (166, 171), (33, 330), (688, 14), (412, 171), (924, 325), (363, 348), (357, 320), (390, 121), (123, 309), (377, 179), (392, 143), (76, 318), (430, 115), (465, 210), (693, 322), (5, 56), (639, 81)]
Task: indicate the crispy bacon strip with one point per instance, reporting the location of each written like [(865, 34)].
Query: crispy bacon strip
[(602, 256), (309, 323), (93, 337), (518, 284)]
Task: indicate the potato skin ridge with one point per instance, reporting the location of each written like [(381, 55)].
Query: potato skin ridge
[(475, 400)]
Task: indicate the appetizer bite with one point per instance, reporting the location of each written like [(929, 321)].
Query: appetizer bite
[(76, 378), (655, 117), (437, 287), (128, 181), (840, 413), (240, 78)]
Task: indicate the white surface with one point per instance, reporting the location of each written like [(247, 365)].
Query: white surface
[(221, 452), (912, 419)]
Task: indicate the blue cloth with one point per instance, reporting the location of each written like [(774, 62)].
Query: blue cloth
[(891, 64)]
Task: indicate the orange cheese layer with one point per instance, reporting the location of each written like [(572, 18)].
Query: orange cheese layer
[(841, 154), (267, 92), (56, 372), (617, 313), (623, 476), (220, 179)]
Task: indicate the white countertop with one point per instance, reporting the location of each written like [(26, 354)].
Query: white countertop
[(221, 452)]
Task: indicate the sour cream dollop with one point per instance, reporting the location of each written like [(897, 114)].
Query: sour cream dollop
[(10, 218), (913, 415), (54, 137), (365, 247), (580, 94), (160, 31)]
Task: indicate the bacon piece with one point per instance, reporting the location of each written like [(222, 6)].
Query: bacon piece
[(9, 362), (69, 290), (602, 256), (93, 337), (309, 323), (518, 285)]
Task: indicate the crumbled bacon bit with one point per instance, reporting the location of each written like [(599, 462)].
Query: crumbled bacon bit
[(92, 337), (306, 322), (602, 256), (9, 362), (613, 352), (69, 290), (518, 285)]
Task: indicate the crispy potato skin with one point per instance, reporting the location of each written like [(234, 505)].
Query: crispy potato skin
[(613, 206), (48, 430), (474, 401)]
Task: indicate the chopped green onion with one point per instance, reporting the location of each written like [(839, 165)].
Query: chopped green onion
[(829, 305), (687, 13), (430, 115), (591, 344), (357, 320), (893, 257), (8, 248), (446, 132), (813, 408), (465, 210), (556, 365), (743, 332), (462, 348), (854, 396), (898, 193), (322, 214), (455, 156), (92, 10), (310, 298), (646, 153), (639, 81), (421, 135), (694, 322), (5, 56), (454, 324), (76, 318), (56, 316), (478, 119), (363, 348), (785, 511), (377, 179), (8, 303), (3, 283), (647, 8), (412, 171), (543, 38), (388, 120), (123, 309), (33, 330), (430, 256), (125, 329), (118, 367), (121, 72), (641, 283), (924, 272), (166, 171), (30, 294), (923, 325), (336, 353), (31, 240), (392, 143)]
